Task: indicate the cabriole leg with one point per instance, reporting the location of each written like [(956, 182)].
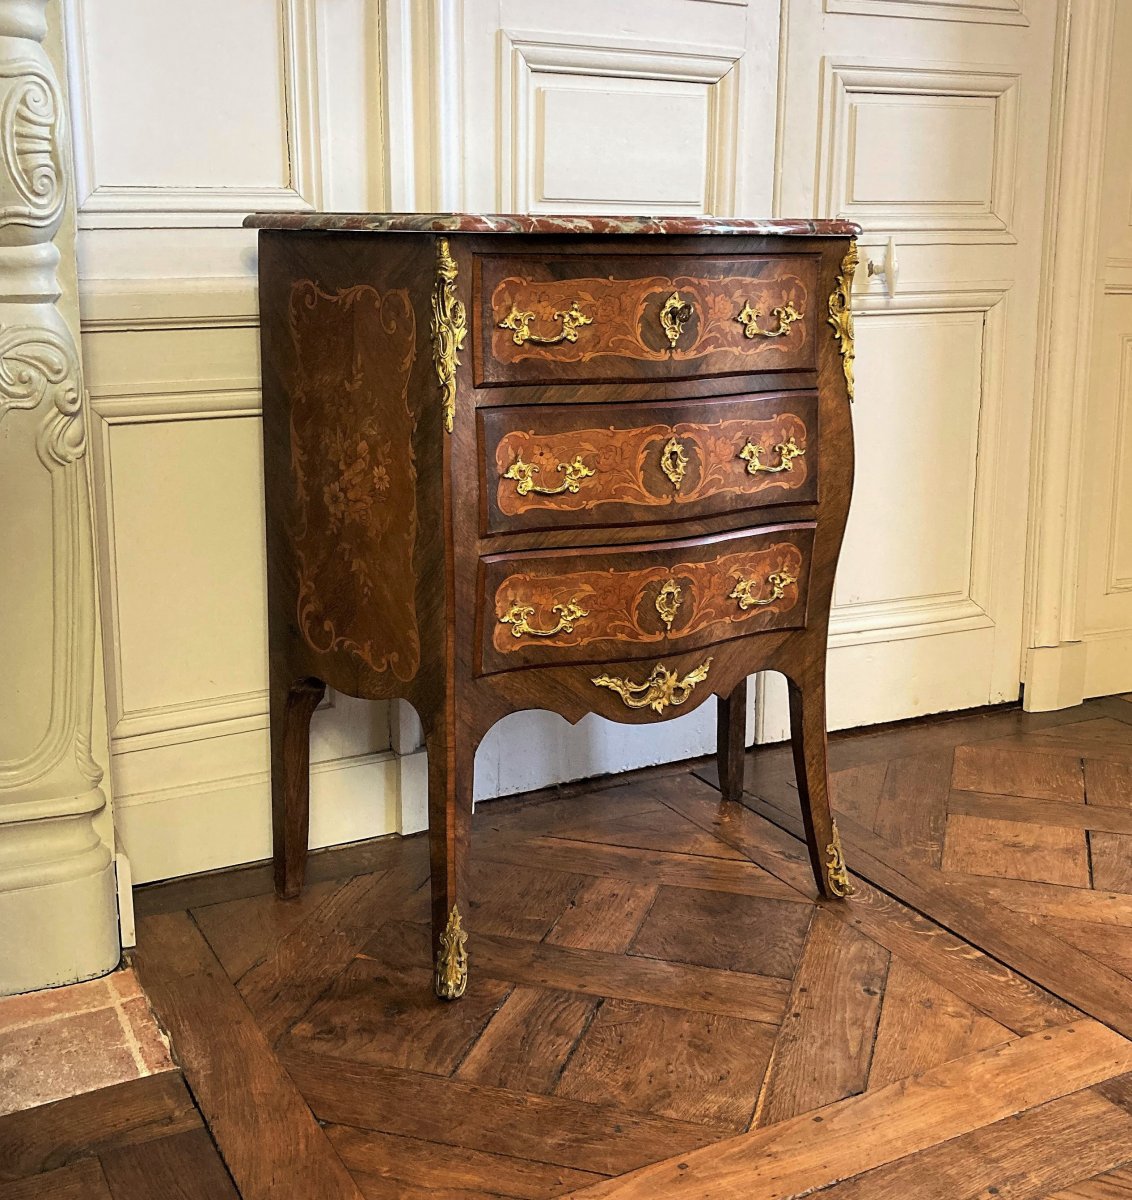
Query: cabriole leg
[(291, 706), (449, 832), (731, 736), (808, 740)]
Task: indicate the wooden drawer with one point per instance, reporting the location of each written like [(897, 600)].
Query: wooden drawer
[(566, 318), (566, 606), (565, 466)]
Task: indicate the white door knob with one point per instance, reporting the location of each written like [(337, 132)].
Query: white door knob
[(888, 267)]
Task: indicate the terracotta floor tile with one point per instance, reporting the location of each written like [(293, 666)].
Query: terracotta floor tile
[(33, 1007), (64, 1041), (124, 985), (63, 1057), (142, 1026)]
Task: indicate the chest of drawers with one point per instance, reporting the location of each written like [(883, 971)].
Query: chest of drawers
[(578, 464)]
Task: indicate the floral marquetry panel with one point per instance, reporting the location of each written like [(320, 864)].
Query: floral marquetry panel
[(552, 607), (354, 524), (575, 318), (548, 467)]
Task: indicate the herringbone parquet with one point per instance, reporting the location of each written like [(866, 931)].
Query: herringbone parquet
[(659, 1006)]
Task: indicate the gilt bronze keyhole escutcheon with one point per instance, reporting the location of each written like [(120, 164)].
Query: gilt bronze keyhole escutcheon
[(674, 315), (668, 601), (674, 461)]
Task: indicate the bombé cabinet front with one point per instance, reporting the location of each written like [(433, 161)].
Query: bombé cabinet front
[(578, 464)]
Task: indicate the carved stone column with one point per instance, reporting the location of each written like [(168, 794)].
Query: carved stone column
[(58, 918)]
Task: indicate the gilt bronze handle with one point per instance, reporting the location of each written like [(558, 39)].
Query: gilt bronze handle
[(786, 315), (518, 616), (523, 474), (662, 688), (744, 591), (519, 323), (787, 451)]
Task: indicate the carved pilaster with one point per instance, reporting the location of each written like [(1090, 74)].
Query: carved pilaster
[(57, 907)]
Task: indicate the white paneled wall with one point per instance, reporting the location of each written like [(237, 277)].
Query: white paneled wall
[(662, 106), (925, 120), (914, 149), (159, 85), (187, 118)]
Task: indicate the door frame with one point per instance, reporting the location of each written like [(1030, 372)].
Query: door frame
[(1053, 669)]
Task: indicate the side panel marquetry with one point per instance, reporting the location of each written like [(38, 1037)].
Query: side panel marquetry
[(552, 466), (581, 606), (563, 318), (353, 523)]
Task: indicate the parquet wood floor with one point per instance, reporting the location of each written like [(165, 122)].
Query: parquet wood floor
[(139, 1140), (660, 1007)]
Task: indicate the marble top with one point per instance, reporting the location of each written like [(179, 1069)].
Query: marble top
[(547, 223)]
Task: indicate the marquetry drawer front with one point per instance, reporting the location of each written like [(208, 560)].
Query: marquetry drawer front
[(566, 606), (560, 319), (564, 466)]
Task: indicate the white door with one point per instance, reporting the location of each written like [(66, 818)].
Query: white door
[(927, 122)]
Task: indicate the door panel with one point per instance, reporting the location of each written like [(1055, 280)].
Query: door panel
[(916, 457), (662, 106)]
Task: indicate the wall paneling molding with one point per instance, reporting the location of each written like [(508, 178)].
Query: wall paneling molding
[(1118, 559), (982, 12), (979, 105), (532, 65), (109, 204), (965, 608)]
